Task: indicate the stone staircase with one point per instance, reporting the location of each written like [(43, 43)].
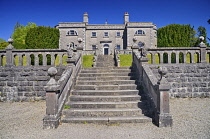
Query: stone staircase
[(105, 95), (105, 61)]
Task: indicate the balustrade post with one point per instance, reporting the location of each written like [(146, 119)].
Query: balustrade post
[(52, 118), (177, 57), (36, 60), (20, 60), (162, 116), (161, 58), (169, 58), (52, 59), (202, 46), (44, 60), (9, 57), (153, 58)]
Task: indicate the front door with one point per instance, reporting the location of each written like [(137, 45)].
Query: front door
[(106, 51)]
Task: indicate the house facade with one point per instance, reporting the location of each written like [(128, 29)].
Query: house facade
[(107, 37)]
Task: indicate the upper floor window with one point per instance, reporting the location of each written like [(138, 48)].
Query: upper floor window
[(118, 34), (93, 34), (94, 47), (71, 32), (118, 47), (139, 32), (106, 34)]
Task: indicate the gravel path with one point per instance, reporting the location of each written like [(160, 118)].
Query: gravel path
[(23, 120)]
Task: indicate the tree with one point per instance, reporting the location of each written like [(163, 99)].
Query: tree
[(176, 35), (3, 43), (208, 21), (43, 38), (20, 32)]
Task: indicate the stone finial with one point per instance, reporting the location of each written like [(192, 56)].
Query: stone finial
[(201, 39), (162, 71), (52, 71), (10, 46)]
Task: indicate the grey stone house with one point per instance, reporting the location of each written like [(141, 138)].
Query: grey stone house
[(106, 37)]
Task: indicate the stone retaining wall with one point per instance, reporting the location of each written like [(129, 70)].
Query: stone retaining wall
[(24, 83), (187, 80)]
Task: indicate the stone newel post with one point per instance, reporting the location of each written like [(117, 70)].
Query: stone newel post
[(163, 117), (203, 50), (9, 57), (51, 120)]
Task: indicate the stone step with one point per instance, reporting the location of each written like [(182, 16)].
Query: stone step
[(105, 74), (102, 112), (105, 98), (107, 78), (105, 68), (107, 120), (106, 71), (96, 105), (110, 82), (106, 87), (103, 64), (105, 92)]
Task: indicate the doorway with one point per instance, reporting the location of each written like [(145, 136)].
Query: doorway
[(106, 49)]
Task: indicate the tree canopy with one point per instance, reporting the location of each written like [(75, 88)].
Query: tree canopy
[(20, 32), (42, 38), (176, 35)]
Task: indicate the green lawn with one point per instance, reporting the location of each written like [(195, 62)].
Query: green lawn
[(125, 60), (87, 60)]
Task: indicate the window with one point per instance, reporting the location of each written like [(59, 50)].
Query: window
[(94, 47), (71, 33), (140, 32), (118, 47), (93, 34), (118, 34), (106, 34)]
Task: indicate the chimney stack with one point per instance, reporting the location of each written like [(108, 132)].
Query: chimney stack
[(85, 18), (126, 18)]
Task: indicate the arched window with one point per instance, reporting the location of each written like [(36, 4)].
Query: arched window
[(71, 33), (139, 32), (106, 45)]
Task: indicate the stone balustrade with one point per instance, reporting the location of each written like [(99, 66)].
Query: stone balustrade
[(165, 54), (156, 90), (57, 92), (33, 57)]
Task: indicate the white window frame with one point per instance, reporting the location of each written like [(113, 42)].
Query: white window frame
[(106, 34), (118, 34), (94, 34), (140, 32)]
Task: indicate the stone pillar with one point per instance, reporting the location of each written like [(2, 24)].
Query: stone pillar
[(202, 50), (44, 60), (28, 60), (52, 59), (161, 58), (153, 58), (177, 57), (60, 59), (20, 60), (192, 57), (162, 116), (52, 118), (9, 57), (169, 58), (185, 57), (36, 60)]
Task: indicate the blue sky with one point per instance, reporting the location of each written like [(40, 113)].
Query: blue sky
[(51, 12)]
